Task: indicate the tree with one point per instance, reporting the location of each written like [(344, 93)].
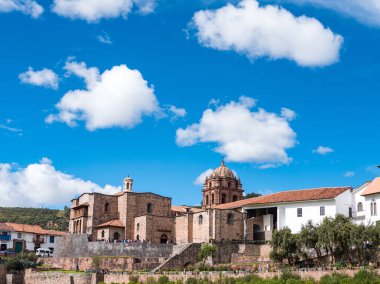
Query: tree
[(206, 251), (326, 237), (252, 194), (309, 238), (284, 246)]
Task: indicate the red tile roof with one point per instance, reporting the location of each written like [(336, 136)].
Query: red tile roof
[(184, 209), (373, 187), (34, 229), (289, 196), (112, 223)]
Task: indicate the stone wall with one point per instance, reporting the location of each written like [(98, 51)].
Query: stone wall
[(2, 274), (225, 230), (105, 263), (32, 277), (78, 246), (182, 234)]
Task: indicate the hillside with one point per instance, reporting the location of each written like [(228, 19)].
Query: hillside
[(47, 218)]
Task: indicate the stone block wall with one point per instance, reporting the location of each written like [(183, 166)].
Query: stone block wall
[(32, 277), (225, 230)]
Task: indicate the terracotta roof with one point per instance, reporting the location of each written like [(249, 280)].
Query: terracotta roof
[(184, 209), (34, 229), (112, 223), (373, 187), (5, 227), (322, 193), (80, 205)]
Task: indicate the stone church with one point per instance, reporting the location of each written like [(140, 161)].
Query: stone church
[(146, 216)]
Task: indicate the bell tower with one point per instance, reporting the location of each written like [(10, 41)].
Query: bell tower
[(127, 184), (221, 186)]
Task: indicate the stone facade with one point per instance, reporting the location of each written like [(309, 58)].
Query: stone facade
[(149, 217)]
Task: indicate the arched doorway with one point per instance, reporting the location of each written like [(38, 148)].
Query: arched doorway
[(164, 239), (116, 236)]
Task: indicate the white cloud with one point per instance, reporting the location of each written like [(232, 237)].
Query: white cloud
[(267, 31), (27, 7), (6, 127), (44, 78), (40, 184), (175, 112), (349, 174), (200, 180), (322, 150), (364, 11), (242, 135), (95, 10), (118, 97), (104, 38)]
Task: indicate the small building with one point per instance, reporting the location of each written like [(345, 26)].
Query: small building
[(23, 237)]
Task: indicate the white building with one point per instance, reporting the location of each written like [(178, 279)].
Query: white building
[(22, 237)]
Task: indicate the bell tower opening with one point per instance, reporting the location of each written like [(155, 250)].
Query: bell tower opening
[(127, 184)]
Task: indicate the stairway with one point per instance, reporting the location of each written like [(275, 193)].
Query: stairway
[(178, 251)]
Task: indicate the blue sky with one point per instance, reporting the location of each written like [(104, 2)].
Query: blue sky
[(329, 85)]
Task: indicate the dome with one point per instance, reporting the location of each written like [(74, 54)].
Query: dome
[(223, 172)]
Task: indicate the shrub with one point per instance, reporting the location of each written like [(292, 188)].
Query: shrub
[(163, 279), (133, 279), (150, 280), (366, 277)]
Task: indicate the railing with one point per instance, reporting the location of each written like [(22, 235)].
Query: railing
[(5, 237), (38, 240), (80, 213)]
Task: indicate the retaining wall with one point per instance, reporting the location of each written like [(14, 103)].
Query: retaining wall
[(32, 277), (78, 246)]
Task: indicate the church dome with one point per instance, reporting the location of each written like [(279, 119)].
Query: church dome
[(223, 172)]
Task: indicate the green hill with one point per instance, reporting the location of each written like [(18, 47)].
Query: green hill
[(50, 219)]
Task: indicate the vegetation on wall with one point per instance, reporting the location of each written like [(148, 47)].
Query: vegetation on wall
[(342, 240), (50, 219)]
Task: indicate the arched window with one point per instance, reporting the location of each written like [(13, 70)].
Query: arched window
[(127, 185), (103, 234), (230, 218), (149, 208), (373, 208), (107, 207), (138, 227), (223, 198), (212, 198), (234, 198), (360, 206), (206, 199), (209, 185), (229, 184), (200, 220), (138, 237)]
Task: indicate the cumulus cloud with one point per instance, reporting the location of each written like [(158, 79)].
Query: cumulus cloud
[(366, 12), (349, 174), (95, 10), (267, 31), (200, 180), (44, 78), (41, 184), (243, 135), (118, 97), (323, 150), (28, 7), (175, 112)]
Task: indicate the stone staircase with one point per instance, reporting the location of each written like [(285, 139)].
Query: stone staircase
[(181, 256)]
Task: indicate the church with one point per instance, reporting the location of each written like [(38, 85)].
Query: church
[(224, 215)]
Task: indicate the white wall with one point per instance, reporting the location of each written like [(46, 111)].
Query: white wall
[(310, 211), (343, 202), (368, 218), (28, 237)]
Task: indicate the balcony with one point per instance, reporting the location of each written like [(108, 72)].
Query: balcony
[(38, 240), (5, 237)]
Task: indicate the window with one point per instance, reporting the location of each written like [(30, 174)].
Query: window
[(200, 220), (229, 184), (234, 198), (322, 210), (223, 198), (149, 208), (230, 218), (206, 199), (138, 227), (373, 208), (106, 207), (103, 234), (51, 239), (127, 185), (299, 212), (360, 206), (212, 198), (19, 235), (350, 212)]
